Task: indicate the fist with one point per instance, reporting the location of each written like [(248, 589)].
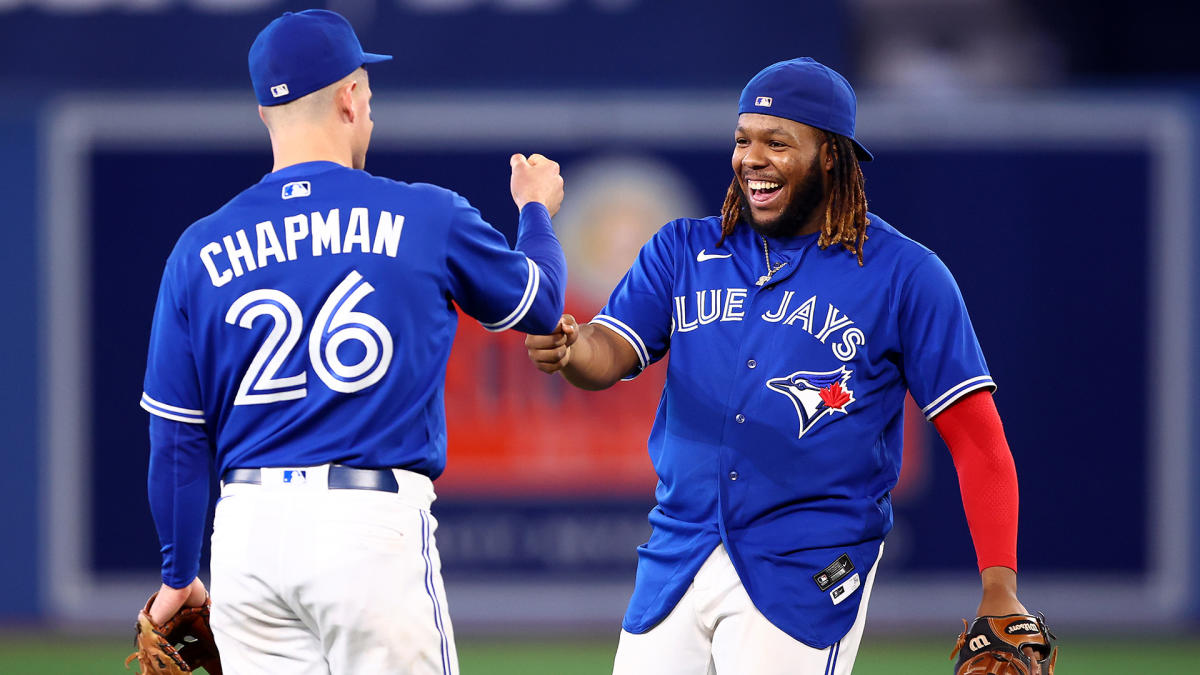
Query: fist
[(551, 353), (536, 179)]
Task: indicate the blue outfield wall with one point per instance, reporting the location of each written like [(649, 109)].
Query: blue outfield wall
[(1028, 394), (1014, 212), (1027, 220), (19, 524)]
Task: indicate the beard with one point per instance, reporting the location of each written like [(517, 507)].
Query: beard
[(808, 196)]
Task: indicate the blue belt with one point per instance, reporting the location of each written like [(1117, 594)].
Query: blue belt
[(340, 478)]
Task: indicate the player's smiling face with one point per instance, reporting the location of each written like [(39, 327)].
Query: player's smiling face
[(782, 168)]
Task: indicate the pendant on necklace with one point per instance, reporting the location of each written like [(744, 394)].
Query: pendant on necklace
[(762, 280)]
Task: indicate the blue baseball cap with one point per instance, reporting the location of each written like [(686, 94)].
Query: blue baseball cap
[(805, 91), (300, 52)]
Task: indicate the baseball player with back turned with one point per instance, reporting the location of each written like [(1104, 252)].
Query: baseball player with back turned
[(299, 344), (796, 321)]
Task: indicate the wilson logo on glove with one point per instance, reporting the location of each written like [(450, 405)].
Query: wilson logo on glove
[(995, 645)]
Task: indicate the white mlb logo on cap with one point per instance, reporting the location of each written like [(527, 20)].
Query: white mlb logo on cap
[(764, 101), (279, 90)]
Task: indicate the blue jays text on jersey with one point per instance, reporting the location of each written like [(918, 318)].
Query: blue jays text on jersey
[(727, 304), (308, 321), (779, 429)]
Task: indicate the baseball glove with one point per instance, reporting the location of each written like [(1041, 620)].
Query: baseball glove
[(995, 645), (180, 645)]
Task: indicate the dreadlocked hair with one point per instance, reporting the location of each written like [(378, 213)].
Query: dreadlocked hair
[(845, 210)]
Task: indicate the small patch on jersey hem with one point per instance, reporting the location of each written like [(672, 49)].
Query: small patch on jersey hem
[(834, 572), (845, 590)]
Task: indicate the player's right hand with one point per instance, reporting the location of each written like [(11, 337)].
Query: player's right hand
[(169, 600), (536, 179), (551, 353)]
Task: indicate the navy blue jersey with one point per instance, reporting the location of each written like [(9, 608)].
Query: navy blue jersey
[(779, 429), (309, 320)]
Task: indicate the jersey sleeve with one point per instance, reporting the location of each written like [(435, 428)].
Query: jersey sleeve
[(500, 287), (177, 482), (942, 358), (639, 309), (172, 387)]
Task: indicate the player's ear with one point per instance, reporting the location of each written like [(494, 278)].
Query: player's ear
[(344, 100)]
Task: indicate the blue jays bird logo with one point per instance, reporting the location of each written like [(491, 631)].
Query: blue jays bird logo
[(815, 395)]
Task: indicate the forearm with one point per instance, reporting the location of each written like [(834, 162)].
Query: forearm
[(536, 239), (599, 359), (178, 487), (987, 477)]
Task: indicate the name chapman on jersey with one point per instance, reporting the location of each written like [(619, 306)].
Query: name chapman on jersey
[(236, 254), (727, 304)]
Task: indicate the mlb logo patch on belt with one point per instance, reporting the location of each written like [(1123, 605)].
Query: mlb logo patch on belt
[(295, 476)]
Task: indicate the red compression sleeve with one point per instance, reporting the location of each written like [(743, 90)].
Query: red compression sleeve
[(987, 476)]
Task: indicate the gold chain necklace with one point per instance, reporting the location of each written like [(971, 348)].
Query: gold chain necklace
[(770, 270)]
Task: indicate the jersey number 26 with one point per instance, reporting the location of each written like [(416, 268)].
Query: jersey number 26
[(336, 324)]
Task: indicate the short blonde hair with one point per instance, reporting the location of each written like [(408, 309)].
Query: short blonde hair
[(311, 107)]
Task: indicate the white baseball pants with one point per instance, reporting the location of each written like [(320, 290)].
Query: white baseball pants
[(312, 581), (716, 630)]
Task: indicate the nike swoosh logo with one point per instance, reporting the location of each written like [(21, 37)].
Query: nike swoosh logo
[(702, 256)]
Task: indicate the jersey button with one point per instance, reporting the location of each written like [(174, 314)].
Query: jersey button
[(751, 363), (739, 418), (733, 475)]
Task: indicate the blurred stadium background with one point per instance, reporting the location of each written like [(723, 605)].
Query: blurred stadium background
[(1048, 151)]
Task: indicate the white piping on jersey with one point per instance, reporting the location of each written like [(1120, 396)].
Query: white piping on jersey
[(172, 412), (628, 334), (531, 289), (956, 392)]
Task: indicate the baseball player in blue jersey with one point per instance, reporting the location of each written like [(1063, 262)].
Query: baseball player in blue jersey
[(299, 347), (796, 322)]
